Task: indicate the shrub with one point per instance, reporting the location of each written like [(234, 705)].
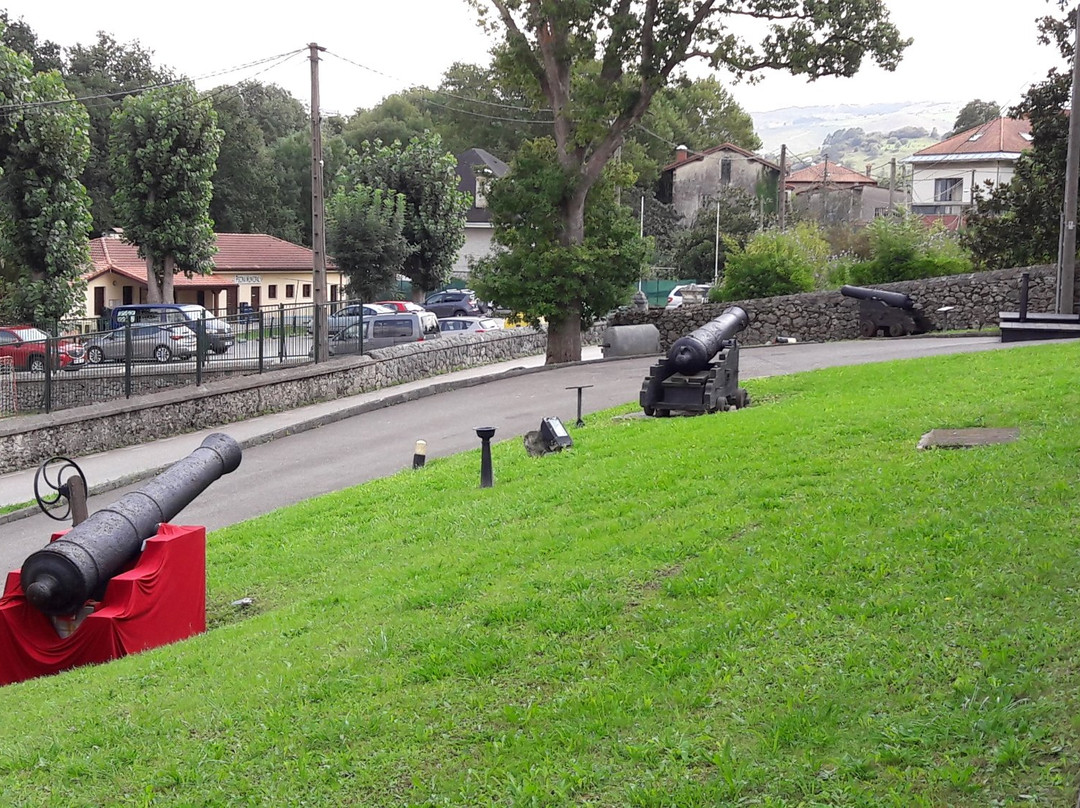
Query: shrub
[(774, 263), (905, 248)]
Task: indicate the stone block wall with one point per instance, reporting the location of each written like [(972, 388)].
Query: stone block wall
[(976, 299)]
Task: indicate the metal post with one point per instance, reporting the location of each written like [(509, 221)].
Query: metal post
[(50, 350), (1067, 266), (128, 351), (716, 252), (1025, 278), (281, 332), (262, 336), (485, 433), (781, 196), (200, 348), (579, 388)]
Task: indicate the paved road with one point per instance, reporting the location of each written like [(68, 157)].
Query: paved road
[(379, 443)]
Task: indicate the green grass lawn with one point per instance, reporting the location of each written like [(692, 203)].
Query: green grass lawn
[(783, 606)]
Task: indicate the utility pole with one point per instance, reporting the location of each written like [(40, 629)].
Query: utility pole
[(1067, 263), (716, 254), (892, 185), (781, 194), (318, 232)]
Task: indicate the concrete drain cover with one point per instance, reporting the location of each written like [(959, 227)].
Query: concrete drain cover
[(965, 438)]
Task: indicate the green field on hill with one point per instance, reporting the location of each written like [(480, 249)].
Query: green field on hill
[(787, 605)]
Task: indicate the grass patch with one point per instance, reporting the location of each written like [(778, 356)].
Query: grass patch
[(783, 606)]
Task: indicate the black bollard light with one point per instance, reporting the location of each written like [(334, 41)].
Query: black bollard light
[(485, 433), (579, 388), (419, 454)]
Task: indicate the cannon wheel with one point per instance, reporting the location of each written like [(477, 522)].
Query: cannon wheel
[(48, 502), (742, 398), (897, 330), (867, 329), (649, 411)]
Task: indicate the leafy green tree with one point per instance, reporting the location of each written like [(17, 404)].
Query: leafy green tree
[(365, 234), (399, 117), (291, 158), (44, 209), (248, 185), (598, 66), (975, 113), (1018, 223), (164, 147), (435, 210), (535, 272), (21, 38), (906, 248), (695, 246), (774, 262), (106, 71)]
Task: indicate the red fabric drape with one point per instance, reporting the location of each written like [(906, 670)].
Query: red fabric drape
[(161, 599)]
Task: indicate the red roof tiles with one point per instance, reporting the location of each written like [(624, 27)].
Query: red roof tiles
[(828, 173), (996, 136)]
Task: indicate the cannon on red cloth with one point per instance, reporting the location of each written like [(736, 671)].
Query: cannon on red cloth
[(700, 372), (122, 581)]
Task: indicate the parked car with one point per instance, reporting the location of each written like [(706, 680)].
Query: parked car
[(349, 315), (454, 303), (161, 343), (219, 336), (384, 330), (26, 346), (469, 325), (400, 305), (688, 293)]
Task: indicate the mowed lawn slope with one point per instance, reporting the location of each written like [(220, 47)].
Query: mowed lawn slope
[(783, 606)]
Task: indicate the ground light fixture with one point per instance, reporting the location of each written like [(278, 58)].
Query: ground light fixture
[(485, 433)]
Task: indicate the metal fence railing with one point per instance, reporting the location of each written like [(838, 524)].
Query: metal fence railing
[(89, 361)]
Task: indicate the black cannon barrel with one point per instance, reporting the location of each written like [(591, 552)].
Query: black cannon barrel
[(895, 299), (59, 578), (691, 354)]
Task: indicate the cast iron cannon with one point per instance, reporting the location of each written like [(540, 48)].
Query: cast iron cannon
[(892, 313), (701, 371), (61, 577)]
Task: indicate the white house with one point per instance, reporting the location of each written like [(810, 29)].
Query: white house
[(945, 175), (476, 168)]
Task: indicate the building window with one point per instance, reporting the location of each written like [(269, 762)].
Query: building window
[(307, 290), (725, 171), (271, 291), (948, 190), (290, 291)]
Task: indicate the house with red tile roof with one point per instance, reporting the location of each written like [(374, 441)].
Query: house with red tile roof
[(832, 193), (250, 268), (945, 175), (695, 178)]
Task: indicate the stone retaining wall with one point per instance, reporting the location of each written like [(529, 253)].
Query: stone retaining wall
[(976, 299), (27, 440)]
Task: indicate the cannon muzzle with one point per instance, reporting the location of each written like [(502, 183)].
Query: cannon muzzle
[(895, 299), (691, 354), (60, 578)]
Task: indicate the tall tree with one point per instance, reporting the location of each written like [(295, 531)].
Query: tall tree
[(435, 209), (696, 254), (365, 234), (599, 64), (21, 38), (975, 113), (44, 209), (1018, 223), (106, 72), (163, 150), (529, 273), (398, 117)]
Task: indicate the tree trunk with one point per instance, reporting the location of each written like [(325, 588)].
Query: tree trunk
[(167, 275), (153, 283), (564, 336)]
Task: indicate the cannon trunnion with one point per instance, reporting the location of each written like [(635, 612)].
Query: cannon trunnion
[(700, 372), (884, 312)]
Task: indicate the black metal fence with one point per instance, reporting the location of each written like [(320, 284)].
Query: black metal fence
[(90, 361)]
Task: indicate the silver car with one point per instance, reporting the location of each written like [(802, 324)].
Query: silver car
[(158, 342), (350, 315)]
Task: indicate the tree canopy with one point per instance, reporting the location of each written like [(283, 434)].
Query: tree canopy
[(163, 148), (598, 66), (44, 209), (975, 113), (365, 234)]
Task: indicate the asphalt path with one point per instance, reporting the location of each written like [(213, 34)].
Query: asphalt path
[(380, 443)]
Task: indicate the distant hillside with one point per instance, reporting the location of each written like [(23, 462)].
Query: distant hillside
[(804, 129)]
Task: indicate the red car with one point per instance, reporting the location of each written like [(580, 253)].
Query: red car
[(401, 305), (26, 346)]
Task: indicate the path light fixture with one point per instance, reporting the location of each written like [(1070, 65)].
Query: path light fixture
[(485, 433), (579, 388), (419, 454)]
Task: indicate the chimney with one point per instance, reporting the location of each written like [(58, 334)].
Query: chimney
[(680, 154)]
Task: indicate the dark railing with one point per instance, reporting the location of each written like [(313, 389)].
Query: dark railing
[(90, 361)]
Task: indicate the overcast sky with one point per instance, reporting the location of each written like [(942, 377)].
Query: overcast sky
[(963, 49)]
